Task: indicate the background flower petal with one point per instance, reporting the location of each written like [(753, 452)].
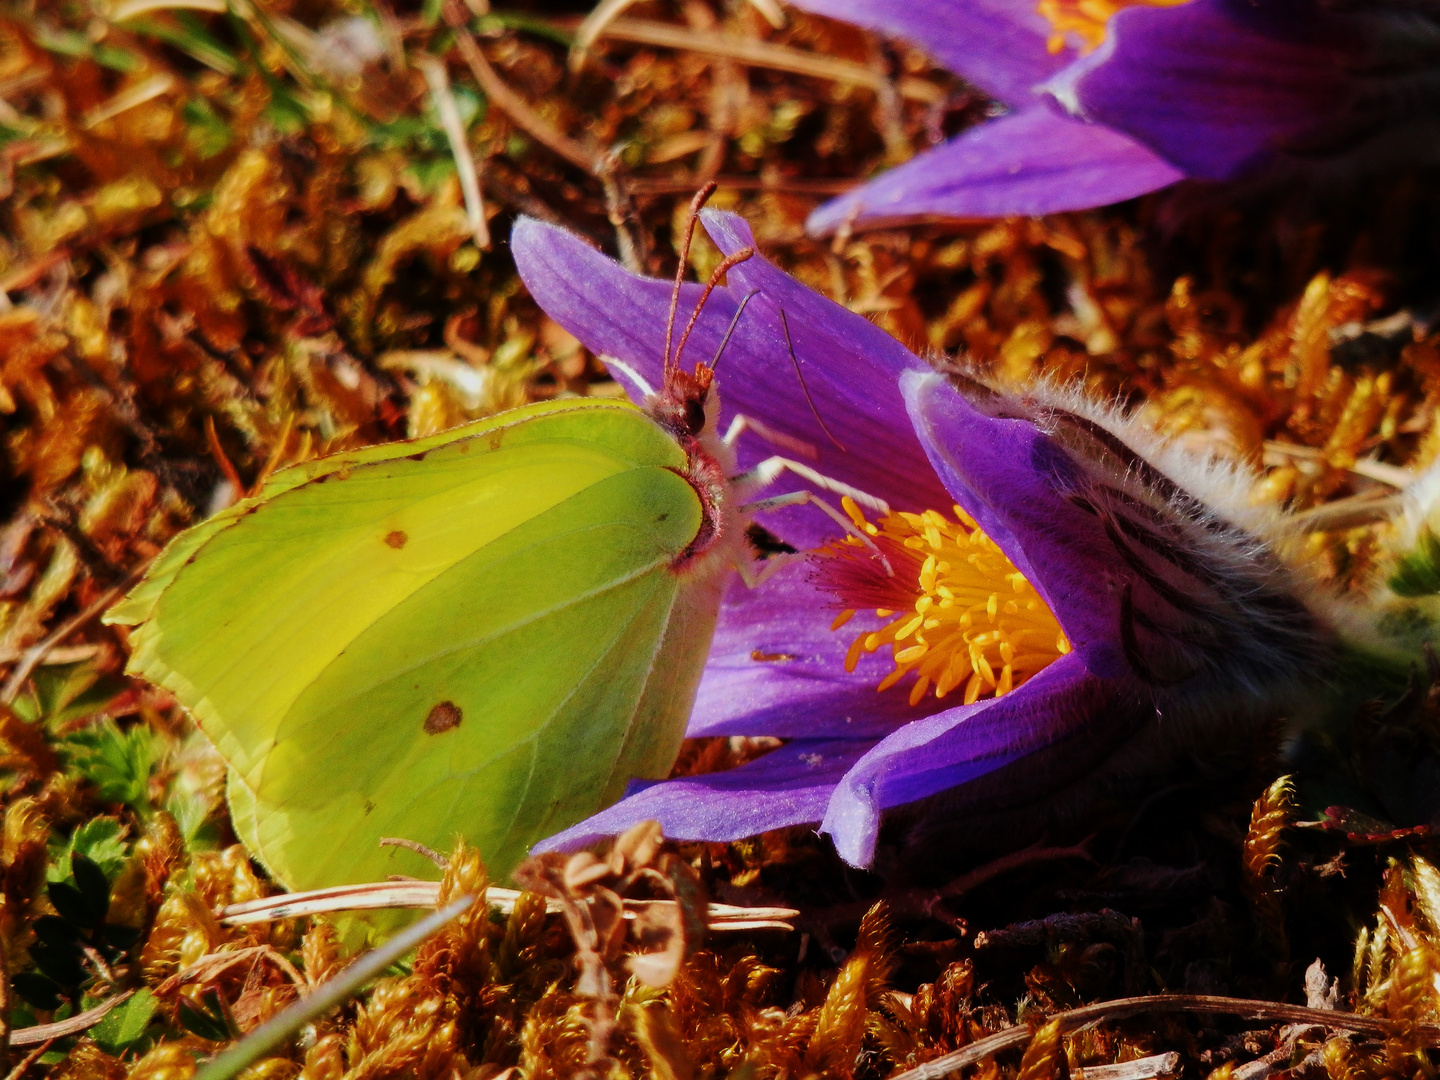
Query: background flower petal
[(788, 786), (1213, 84), (776, 668), (1032, 162), (947, 749), (998, 45)]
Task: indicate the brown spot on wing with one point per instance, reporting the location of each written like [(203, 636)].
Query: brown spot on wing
[(396, 539), (443, 717)]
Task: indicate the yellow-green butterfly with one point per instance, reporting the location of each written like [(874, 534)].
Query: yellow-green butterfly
[(487, 632)]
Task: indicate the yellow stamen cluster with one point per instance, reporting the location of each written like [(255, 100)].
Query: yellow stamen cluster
[(1086, 19), (974, 622)]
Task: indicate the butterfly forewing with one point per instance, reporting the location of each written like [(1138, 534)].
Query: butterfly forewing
[(473, 636)]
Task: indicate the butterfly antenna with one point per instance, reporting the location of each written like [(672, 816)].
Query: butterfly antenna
[(733, 259), (785, 326), (701, 197), (734, 322)]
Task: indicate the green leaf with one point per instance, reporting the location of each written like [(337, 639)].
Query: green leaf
[(530, 24), (64, 692), (92, 885), (124, 1026), (286, 111), (39, 991), (208, 133), (202, 1022), (98, 840), (73, 907), (1418, 573), (189, 35), (117, 762)]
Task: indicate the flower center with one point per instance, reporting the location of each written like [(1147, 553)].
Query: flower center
[(1087, 18), (961, 614)]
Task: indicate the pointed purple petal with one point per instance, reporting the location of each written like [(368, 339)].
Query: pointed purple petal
[(776, 668), (1213, 84), (998, 45), (788, 786), (1025, 164), (850, 366), (945, 750), (612, 311)]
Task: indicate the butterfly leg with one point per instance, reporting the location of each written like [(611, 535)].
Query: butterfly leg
[(768, 471), (755, 573), (797, 498), (742, 423)]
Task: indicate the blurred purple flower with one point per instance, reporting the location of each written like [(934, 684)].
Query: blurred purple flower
[(1161, 91), (1172, 612)]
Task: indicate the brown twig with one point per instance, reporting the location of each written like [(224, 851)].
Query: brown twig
[(1124, 1008), (466, 166), (212, 437), (89, 1018), (662, 185), (511, 103), (29, 1059), (620, 209), (420, 849), (32, 656), (6, 1004)]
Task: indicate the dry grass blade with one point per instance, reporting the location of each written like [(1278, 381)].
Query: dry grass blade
[(1393, 475), (382, 895), (765, 54), (36, 653), (128, 9), (1146, 1068), (1124, 1008), (325, 997)]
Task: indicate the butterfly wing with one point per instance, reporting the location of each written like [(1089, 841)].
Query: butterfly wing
[(476, 634)]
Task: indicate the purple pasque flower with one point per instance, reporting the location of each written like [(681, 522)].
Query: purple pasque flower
[(1098, 599), (1104, 110)]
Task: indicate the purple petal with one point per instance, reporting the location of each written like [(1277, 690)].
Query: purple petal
[(1014, 480), (1028, 163), (998, 45), (1151, 585), (614, 312), (788, 786), (776, 668), (945, 750), (850, 366), (1212, 84)]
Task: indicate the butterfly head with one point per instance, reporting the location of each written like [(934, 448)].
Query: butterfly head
[(681, 405)]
